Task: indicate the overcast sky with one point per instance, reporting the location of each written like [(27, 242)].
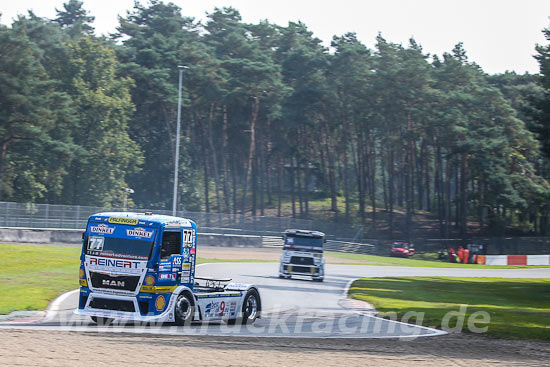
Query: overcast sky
[(499, 35)]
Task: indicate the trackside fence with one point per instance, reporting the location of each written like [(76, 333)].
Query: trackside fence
[(340, 237), (29, 215)]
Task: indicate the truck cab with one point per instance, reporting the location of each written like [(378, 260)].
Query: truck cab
[(141, 267), (303, 254)]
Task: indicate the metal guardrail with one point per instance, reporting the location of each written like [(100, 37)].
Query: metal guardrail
[(332, 246), (75, 216), (350, 247)]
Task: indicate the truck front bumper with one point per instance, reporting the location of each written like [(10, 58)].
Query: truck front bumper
[(315, 271), (128, 307)]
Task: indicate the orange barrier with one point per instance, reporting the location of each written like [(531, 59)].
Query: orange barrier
[(465, 256)]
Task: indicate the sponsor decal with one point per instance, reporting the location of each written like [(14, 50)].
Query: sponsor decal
[(185, 273), (114, 263), (150, 280), (178, 223), (139, 232), (237, 286), (119, 220), (160, 303), (102, 228), (113, 283), (186, 266), (119, 256), (192, 252), (233, 308), (216, 309), (212, 309), (154, 289), (172, 224), (83, 282), (176, 261), (184, 222), (167, 276), (81, 273), (218, 295), (185, 279)]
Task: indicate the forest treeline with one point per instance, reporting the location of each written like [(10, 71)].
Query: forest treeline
[(269, 115)]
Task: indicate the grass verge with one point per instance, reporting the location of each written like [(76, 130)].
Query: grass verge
[(517, 308), (31, 276), (398, 261)]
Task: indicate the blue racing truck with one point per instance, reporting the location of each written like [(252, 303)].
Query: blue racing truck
[(141, 267)]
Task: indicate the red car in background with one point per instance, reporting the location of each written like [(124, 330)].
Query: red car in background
[(401, 249)]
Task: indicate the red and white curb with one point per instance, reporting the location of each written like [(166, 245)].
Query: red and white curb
[(527, 260)]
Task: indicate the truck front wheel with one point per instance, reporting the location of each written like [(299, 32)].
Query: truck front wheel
[(184, 309)]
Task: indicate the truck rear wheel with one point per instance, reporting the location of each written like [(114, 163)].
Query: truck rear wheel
[(184, 309), (102, 321), (250, 310)]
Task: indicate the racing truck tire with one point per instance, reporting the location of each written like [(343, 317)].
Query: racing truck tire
[(251, 309), (102, 321), (184, 309)]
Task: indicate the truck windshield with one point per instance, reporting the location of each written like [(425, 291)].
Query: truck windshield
[(119, 247), (304, 243)]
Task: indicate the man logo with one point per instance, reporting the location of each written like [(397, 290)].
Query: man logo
[(113, 283)]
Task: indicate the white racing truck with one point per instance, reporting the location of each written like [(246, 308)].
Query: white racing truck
[(141, 267), (303, 254)]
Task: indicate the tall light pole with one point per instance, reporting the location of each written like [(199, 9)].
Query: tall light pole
[(127, 191), (176, 163)]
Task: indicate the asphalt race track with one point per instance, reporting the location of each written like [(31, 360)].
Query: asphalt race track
[(291, 307)]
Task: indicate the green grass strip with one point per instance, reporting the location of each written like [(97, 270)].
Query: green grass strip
[(517, 308), (31, 276)]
